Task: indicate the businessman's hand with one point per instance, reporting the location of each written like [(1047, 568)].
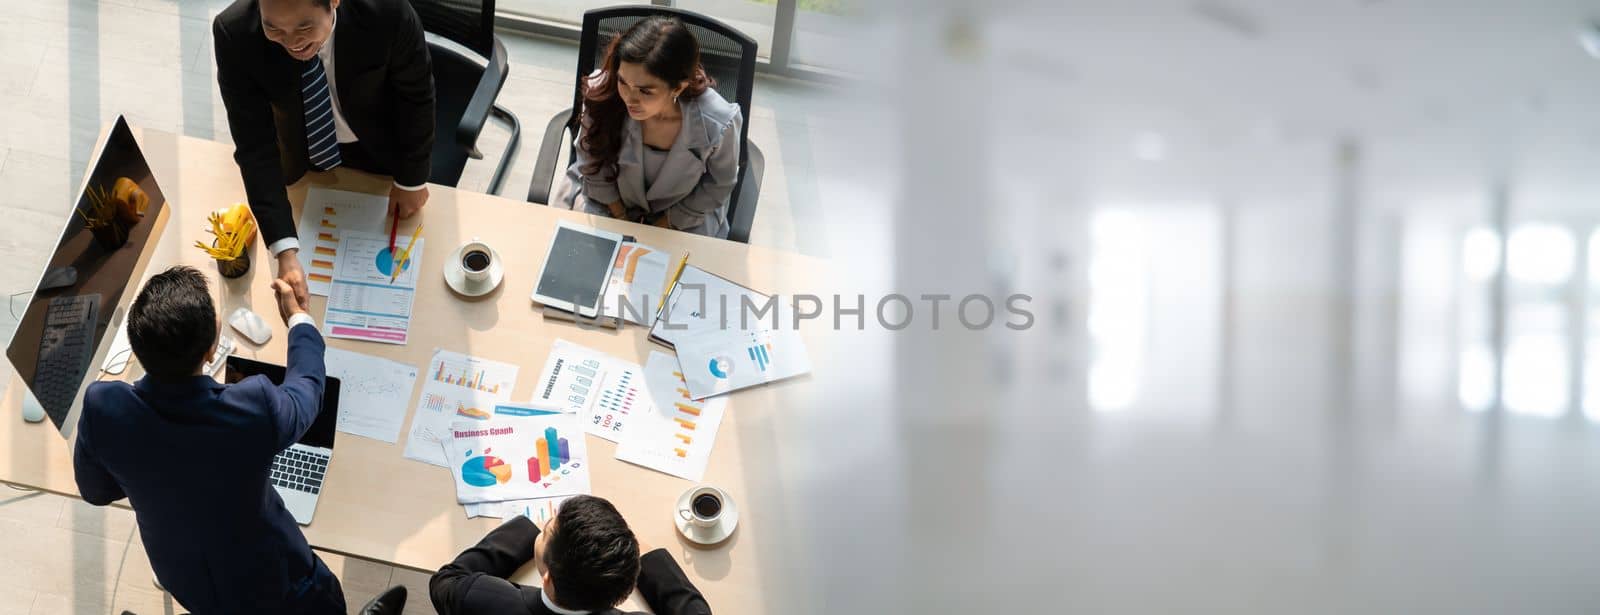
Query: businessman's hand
[(290, 273), (406, 203), (617, 210), (288, 304), (663, 222)]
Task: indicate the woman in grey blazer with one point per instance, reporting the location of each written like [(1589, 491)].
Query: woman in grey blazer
[(656, 144)]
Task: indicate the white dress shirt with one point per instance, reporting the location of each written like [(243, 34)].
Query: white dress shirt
[(341, 130), (302, 318), (556, 609)]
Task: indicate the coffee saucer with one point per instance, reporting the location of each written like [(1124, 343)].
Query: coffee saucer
[(706, 535), (456, 277)]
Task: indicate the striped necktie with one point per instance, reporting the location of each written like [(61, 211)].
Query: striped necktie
[(322, 141)]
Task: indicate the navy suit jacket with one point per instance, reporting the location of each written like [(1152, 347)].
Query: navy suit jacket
[(193, 458)]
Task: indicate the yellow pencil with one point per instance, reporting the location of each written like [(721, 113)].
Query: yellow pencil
[(673, 281), (399, 262)]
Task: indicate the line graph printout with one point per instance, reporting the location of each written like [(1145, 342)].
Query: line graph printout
[(374, 393)]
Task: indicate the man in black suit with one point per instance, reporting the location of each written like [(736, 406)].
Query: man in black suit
[(318, 84), (588, 560)]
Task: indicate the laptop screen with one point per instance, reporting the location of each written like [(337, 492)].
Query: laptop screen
[(321, 432)]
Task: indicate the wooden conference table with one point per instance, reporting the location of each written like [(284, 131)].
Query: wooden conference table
[(378, 505)]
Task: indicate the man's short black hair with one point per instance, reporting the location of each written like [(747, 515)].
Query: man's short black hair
[(172, 323), (592, 556)]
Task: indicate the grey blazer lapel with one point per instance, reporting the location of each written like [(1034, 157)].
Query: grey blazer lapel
[(685, 162), (630, 165)]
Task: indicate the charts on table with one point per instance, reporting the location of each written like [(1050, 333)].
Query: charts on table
[(374, 393), (677, 434), (385, 262), (620, 398), (457, 386), (463, 374), (518, 458), (552, 451), (327, 214)]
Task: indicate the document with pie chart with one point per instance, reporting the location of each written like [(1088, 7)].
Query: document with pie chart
[(373, 290), (716, 363), (517, 458), (326, 215)]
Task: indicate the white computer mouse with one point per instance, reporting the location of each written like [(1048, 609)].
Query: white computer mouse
[(251, 326)]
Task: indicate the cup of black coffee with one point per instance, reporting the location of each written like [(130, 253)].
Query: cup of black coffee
[(704, 507), (476, 260)]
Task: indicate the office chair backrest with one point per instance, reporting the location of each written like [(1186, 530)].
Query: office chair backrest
[(470, 23), (729, 57)]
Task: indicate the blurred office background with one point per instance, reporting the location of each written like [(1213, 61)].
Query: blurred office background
[(1317, 294)]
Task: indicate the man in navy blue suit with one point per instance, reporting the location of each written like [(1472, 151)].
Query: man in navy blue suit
[(193, 456)]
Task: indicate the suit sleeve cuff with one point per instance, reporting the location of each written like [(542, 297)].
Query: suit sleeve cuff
[(302, 319), (410, 188), (287, 243)]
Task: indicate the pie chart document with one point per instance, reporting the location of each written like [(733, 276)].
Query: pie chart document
[(517, 458)]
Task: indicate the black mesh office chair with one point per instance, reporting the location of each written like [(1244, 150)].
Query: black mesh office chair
[(728, 56), (465, 88)]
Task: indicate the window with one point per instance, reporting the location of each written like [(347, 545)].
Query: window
[(1480, 259), (1540, 259), (752, 17), (819, 32), (1591, 359), (564, 11), (827, 33)]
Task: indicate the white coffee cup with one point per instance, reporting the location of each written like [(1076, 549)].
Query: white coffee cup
[(476, 259), (704, 507)]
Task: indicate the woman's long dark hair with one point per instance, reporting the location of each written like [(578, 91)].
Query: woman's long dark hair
[(668, 50)]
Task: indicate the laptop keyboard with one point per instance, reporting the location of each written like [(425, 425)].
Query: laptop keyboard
[(299, 470)]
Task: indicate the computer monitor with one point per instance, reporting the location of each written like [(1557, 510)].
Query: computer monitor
[(79, 297)]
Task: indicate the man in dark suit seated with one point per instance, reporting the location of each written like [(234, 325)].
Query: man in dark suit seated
[(311, 85), (193, 456), (588, 561)]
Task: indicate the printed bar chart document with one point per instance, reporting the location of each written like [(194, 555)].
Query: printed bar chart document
[(455, 386), (677, 434), (325, 216)]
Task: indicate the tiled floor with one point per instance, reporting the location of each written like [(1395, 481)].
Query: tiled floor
[(67, 68)]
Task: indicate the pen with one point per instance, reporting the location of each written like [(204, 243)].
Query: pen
[(672, 281), (393, 226), (400, 262)]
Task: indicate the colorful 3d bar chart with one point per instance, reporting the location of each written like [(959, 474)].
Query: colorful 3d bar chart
[(552, 451), (687, 424), (688, 409)]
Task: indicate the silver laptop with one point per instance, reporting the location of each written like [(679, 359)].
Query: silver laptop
[(299, 471)]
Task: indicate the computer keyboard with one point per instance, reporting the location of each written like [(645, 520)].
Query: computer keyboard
[(299, 470), (64, 350)]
